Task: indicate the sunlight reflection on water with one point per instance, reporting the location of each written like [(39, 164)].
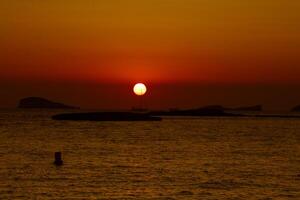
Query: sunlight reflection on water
[(207, 158)]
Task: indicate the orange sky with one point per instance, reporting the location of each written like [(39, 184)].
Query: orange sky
[(161, 42)]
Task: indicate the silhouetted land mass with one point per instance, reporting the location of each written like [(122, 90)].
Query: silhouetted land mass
[(38, 102), (107, 116), (276, 116), (218, 111), (296, 109), (245, 108), (156, 115), (205, 111)]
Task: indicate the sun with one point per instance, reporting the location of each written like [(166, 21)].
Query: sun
[(140, 89)]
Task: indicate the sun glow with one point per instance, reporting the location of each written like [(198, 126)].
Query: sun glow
[(139, 89)]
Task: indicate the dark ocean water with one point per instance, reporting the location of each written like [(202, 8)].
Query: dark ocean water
[(204, 158)]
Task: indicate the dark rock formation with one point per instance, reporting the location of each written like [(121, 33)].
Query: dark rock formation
[(107, 116), (249, 108), (205, 111), (212, 110), (37, 102), (276, 116), (245, 108), (296, 109)]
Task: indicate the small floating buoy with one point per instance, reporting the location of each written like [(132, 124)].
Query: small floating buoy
[(58, 161)]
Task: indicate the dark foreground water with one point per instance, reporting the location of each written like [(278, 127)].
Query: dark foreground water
[(207, 158)]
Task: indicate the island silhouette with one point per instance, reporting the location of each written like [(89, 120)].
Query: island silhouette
[(145, 114), (107, 116), (42, 103)]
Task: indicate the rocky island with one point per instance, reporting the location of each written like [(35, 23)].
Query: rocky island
[(42, 103), (140, 116), (219, 111), (107, 116), (209, 111), (243, 108), (256, 108)]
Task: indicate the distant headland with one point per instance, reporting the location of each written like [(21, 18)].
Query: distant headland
[(142, 115), (220, 111), (205, 111), (42, 103), (212, 110), (145, 115), (256, 108), (107, 116)]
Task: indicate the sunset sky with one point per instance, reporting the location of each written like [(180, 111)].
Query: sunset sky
[(189, 52)]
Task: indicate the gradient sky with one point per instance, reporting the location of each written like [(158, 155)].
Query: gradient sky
[(200, 51)]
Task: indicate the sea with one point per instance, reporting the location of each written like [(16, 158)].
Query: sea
[(177, 158)]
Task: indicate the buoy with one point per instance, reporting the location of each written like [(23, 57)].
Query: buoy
[(58, 161)]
